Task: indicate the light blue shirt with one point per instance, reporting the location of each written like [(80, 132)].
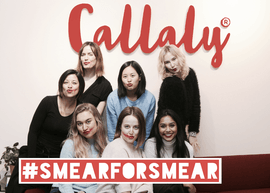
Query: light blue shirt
[(146, 102), (68, 152)]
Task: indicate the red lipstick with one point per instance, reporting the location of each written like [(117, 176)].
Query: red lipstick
[(130, 137), (87, 131)]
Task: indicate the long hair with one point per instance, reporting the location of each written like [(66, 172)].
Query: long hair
[(180, 148), (122, 92), (99, 67), (63, 78), (81, 144), (138, 114), (163, 71)]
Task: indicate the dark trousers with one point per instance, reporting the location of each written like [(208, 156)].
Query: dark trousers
[(13, 184), (169, 188)]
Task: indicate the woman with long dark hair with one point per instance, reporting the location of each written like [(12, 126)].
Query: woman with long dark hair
[(131, 92), (49, 126), (168, 140)]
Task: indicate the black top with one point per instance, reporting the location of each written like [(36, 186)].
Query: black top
[(48, 129), (183, 97), (97, 92)]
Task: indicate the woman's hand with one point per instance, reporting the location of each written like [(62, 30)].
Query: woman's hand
[(193, 141), (81, 192), (191, 188)]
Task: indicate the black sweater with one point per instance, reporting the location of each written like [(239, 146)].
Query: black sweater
[(48, 129), (183, 97)]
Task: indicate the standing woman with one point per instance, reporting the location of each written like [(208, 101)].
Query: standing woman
[(167, 140), (131, 92), (179, 90), (87, 139), (130, 128), (50, 125), (90, 65)]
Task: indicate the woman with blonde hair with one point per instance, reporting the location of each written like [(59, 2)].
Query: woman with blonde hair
[(90, 65), (86, 139), (179, 90)]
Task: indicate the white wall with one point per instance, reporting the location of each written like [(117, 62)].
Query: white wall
[(35, 50)]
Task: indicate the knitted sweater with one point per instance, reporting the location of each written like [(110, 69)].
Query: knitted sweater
[(119, 148), (183, 97)]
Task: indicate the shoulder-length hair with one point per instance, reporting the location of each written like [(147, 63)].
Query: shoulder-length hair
[(122, 92), (81, 144), (63, 78), (136, 112), (163, 71), (99, 67), (180, 148)]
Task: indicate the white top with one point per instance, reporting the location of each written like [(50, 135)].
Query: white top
[(166, 152), (119, 148)]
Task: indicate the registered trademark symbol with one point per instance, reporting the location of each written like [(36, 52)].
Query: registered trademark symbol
[(225, 22)]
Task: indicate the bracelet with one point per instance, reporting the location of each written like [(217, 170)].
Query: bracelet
[(192, 134)]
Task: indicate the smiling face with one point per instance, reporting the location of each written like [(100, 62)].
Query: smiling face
[(167, 128), (88, 58), (130, 129), (71, 86), (130, 78), (86, 124), (171, 63)]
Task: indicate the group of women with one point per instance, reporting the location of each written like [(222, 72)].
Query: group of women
[(70, 125)]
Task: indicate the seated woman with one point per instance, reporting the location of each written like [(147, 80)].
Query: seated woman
[(131, 92), (130, 127), (87, 139), (168, 140)]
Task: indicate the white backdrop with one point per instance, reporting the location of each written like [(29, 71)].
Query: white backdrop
[(35, 50)]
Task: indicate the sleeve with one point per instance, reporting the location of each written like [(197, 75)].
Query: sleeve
[(150, 149), (111, 118), (194, 121), (106, 188), (123, 187), (67, 151), (190, 149), (90, 189), (36, 126), (150, 118), (107, 89)]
